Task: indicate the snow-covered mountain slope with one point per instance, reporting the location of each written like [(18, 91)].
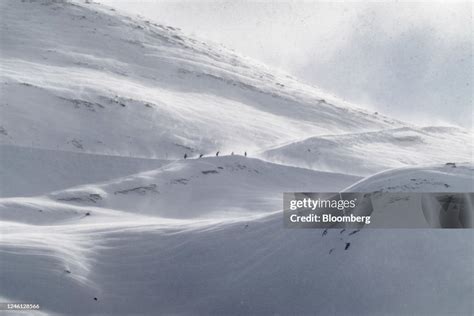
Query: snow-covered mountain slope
[(69, 231), (239, 268), (435, 178), (233, 186), (27, 171), (136, 88), (404, 209), (82, 77), (97, 231), (77, 257), (370, 152)]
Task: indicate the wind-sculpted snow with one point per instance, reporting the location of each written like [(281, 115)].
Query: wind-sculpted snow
[(102, 256), (232, 185), (449, 177), (147, 90), (73, 234), (447, 202), (147, 269), (372, 152), (88, 228)]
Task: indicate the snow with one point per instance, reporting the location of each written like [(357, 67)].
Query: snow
[(407, 209), (147, 90), (254, 266), (99, 213), (371, 152), (28, 171), (428, 178), (175, 190)]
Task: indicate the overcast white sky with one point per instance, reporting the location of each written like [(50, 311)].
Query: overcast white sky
[(411, 60)]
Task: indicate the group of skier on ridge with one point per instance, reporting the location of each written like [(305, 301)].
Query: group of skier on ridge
[(217, 155)]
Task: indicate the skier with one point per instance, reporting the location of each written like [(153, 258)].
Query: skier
[(232, 154), (245, 154), (200, 156), (217, 154), (185, 156)]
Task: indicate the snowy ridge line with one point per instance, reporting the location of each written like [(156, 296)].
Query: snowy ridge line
[(408, 146), (155, 192), (204, 45)]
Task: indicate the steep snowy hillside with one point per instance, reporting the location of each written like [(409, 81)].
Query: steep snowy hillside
[(82, 77), (371, 152)]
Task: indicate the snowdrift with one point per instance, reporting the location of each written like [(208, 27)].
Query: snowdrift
[(449, 177), (233, 186), (407, 210), (80, 257), (372, 152)]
